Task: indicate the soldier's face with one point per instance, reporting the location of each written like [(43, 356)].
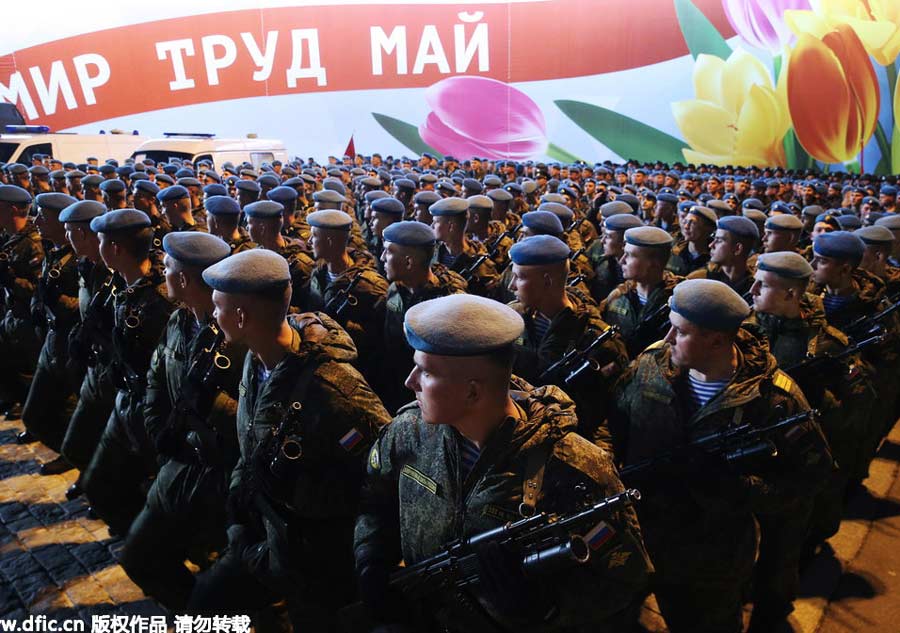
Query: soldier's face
[(440, 388), (721, 248), (613, 243), (778, 241), (174, 279), (528, 283), (397, 262), (768, 292), (229, 315), (635, 262), (689, 344), (828, 271)]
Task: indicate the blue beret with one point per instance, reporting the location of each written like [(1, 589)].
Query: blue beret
[(784, 222), (616, 207), (891, 221), (779, 206), (480, 202), (812, 210), (739, 225), (248, 185), (215, 189), (54, 201), (720, 207), (75, 173), (449, 206), (175, 192), (264, 209), (328, 195), (622, 222), (163, 178), (539, 250), (82, 211), (147, 186), (330, 219), (282, 194), (493, 180), (514, 188), (648, 236), (500, 195), (470, 184), (888, 190), (371, 181), (557, 198), (270, 180), (445, 185), (106, 169), (428, 178), (710, 304), (704, 213), (388, 205), (184, 172), (564, 213), (543, 222), (189, 181), (375, 194), (875, 235), (630, 200), (194, 248), (529, 186), (16, 168), (254, 271), (409, 234), (785, 264), (671, 198), (849, 222), (223, 205), (753, 203), (120, 220), (112, 185), (839, 245), (444, 326)]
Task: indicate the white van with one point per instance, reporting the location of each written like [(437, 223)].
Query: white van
[(194, 147), (18, 143)]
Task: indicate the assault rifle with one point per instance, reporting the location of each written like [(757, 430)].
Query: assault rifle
[(864, 324), (818, 362), (344, 297), (495, 245), (576, 361), (544, 543), (95, 325), (469, 272), (733, 446)]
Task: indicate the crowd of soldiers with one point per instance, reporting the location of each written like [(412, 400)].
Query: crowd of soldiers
[(404, 395)]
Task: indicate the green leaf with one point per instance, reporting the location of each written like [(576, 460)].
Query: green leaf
[(557, 153), (883, 167), (895, 149), (625, 136), (405, 133), (699, 33)]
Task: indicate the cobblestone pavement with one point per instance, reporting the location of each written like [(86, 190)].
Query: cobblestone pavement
[(54, 560)]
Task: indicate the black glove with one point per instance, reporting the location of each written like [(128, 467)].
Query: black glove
[(505, 586)]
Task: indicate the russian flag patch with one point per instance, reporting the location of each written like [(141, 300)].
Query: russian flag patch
[(350, 439), (600, 535)]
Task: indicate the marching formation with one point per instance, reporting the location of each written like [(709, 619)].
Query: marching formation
[(424, 395)]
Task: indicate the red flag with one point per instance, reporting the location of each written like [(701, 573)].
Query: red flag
[(351, 149)]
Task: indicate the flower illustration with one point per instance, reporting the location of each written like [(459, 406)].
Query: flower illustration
[(761, 22), (875, 22), (833, 94), (738, 116), (477, 116)]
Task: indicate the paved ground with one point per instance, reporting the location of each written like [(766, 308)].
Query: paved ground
[(56, 561)]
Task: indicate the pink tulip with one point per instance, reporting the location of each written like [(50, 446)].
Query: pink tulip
[(477, 116), (761, 22)]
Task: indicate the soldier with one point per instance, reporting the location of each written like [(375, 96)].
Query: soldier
[(54, 307), (124, 459), (287, 198), (246, 192), (606, 252), (879, 243), (145, 199), (96, 394), (407, 256), (223, 217), (176, 205), (733, 242), (782, 233), (693, 253), (291, 509), (21, 255), (114, 193), (557, 321), (345, 284), (638, 305), (708, 374), (384, 212), (458, 253), (665, 216), (470, 455), (495, 235), (91, 185), (189, 414)]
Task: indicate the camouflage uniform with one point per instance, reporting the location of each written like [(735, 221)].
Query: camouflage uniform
[(682, 263), (396, 356), (607, 271), (298, 547), (20, 345), (699, 528), (591, 390), (242, 243), (485, 281), (301, 264), (623, 308), (185, 508), (97, 393), (124, 459), (714, 271), (52, 396), (415, 502)]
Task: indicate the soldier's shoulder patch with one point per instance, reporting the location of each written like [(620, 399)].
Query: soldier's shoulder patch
[(618, 559), (783, 381), (617, 307), (417, 476), (657, 345), (374, 458)]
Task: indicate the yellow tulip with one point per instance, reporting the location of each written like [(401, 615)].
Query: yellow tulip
[(876, 22), (738, 117), (833, 95)]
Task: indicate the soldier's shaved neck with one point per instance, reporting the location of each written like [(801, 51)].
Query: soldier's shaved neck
[(484, 386)]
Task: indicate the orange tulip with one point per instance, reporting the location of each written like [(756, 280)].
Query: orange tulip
[(832, 94)]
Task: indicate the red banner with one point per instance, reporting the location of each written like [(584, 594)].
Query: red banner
[(205, 58)]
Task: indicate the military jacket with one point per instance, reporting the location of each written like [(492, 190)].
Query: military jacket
[(416, 501), (22, 255), (242, 243), (700, 524), (55, 301), (683, 263), (623, 308), (714, 271), (484, 281)]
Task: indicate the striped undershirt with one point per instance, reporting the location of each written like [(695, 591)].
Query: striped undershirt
[(833, 303), (642, 298), (332, 277), (468, 455), (541, 324), (446, 258), (702, 391)]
